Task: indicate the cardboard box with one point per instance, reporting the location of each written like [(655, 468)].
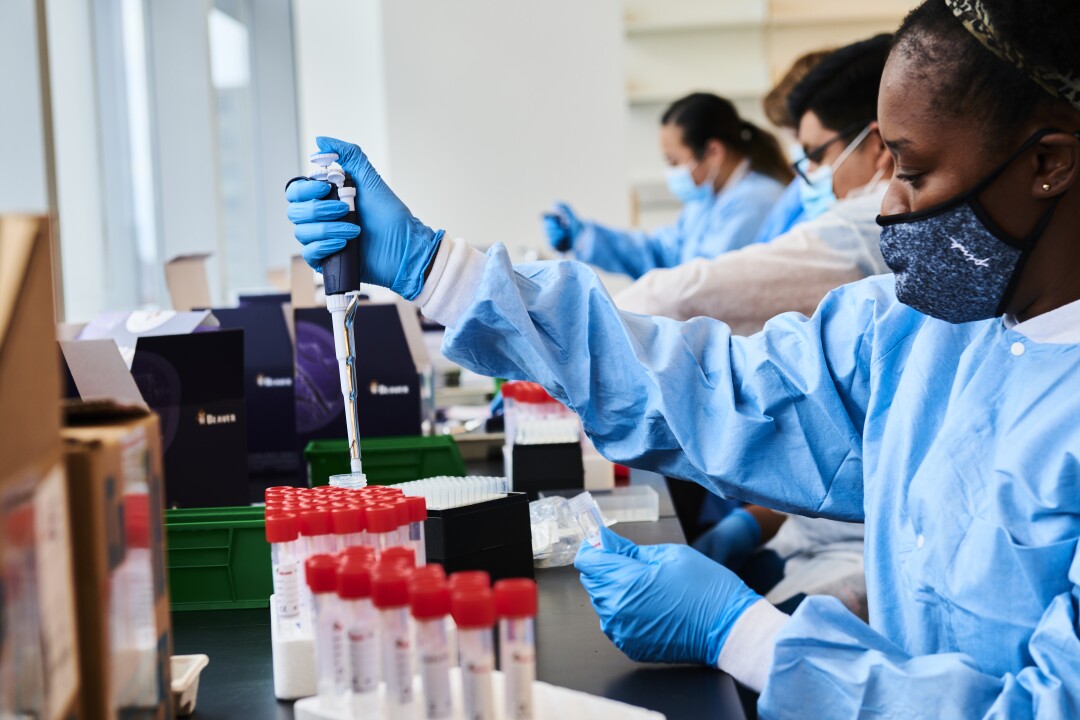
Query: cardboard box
[(39, 671), (195, 383), (115, 486)]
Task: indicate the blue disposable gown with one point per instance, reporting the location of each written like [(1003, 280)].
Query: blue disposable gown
[(706, 228), (786, 213), (957, 444)]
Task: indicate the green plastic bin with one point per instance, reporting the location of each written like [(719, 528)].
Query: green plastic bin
[(218, 558), (386, 460)]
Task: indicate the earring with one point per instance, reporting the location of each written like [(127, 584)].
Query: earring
[(1046, 187)]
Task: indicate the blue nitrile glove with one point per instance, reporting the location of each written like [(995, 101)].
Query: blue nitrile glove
[(730, 541), (397, 248), (662, 603), (562, 227)]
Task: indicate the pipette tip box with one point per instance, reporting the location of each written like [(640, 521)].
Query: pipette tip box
[(494, 535)]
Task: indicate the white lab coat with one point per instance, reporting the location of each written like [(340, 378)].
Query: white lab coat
[(747, 287)]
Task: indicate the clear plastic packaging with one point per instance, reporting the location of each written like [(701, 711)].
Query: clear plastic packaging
[(556, 533)]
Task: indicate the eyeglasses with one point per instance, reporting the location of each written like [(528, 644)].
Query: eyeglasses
[(802, 165)]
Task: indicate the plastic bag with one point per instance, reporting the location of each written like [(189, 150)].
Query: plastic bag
[(556, 535)]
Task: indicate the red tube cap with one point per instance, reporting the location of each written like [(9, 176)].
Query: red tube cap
[(470, 579), (472, 607), (417, 508), (321, 573), (431, 571), (398, 555), (515, 598), (381, 518), (283, 527), (403, 512), (361, 552), (390, 586), (315, 521), (429, 598), (354, 578), (137, 519), (347, 520)]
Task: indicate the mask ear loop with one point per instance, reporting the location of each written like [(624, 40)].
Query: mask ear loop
[(1029, 245)]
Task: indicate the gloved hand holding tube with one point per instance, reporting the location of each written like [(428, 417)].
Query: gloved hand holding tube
[(662, 603), (562, 227), (397, 248)]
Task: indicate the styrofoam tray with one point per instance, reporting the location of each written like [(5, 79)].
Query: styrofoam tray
[(186, 670)]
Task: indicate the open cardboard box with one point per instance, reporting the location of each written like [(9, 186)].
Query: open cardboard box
[(39, 648), (114, 463)]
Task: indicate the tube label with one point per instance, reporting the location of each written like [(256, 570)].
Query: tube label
[(364, 656), (476, 688), (287, 589)]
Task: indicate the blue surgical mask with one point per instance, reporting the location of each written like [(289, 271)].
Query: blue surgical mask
[(681, 183), (951, 261), (817, 195)]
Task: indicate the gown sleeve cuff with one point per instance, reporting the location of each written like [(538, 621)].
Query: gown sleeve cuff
[(451, 286), (748, 653)]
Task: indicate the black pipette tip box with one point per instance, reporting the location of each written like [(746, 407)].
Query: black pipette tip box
[(549, 466), (494, 536)]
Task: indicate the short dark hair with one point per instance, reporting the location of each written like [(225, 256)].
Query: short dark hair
[(843, 89), (970, 79)]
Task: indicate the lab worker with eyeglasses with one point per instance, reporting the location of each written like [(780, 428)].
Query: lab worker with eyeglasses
[(726, 171), (939, 406)]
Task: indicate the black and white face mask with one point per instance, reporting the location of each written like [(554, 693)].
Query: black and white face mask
[(951, 261)]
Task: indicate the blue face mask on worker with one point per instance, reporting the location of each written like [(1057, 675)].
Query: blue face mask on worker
[(951, 261), (816, 186), (680, 182)]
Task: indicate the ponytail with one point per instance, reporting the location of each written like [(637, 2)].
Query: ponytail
[(766, 155), (704, 116)]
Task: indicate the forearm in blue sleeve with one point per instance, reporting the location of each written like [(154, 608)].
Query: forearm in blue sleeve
[(769, 419), (829, 664), (630, 252)]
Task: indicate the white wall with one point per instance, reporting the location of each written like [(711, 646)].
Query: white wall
[(480, 113)]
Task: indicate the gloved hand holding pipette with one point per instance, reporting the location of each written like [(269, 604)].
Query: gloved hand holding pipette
[(562, 227), (662, 603), (397, 247)]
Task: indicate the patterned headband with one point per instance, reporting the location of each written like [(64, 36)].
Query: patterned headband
[(974, 16)]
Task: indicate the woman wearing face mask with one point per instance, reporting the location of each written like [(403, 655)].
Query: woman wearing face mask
[(940, 406), (726, 171), (794, 271)]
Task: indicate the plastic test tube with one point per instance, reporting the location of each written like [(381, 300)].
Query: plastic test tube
[(282, 532), (515, 604), (390, 593), (430, 601), (330, 659), (317, 530), (417, 516), (589, 518), (474, 612), (381, 526), (361, 628), (403, 517), (348, 524)]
